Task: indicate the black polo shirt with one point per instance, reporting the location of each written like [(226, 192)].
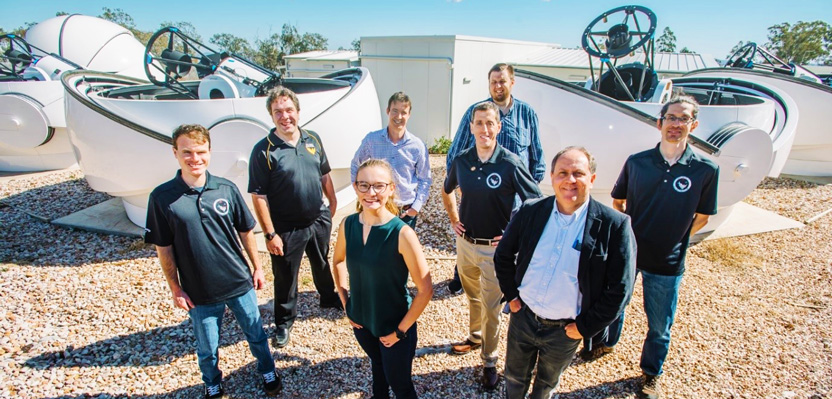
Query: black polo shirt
[(290, 177), (662, 200), (488, 189), (202, 225)]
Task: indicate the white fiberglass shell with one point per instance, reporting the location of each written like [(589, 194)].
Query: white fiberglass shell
[(123, 141), (611, 130), (93, 43), (33, 133), (811, 152)]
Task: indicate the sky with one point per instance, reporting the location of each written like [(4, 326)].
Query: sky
[(705, 26)]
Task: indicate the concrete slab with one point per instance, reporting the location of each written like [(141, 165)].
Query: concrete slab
[(107, 217), (820, 180), (748, 219)]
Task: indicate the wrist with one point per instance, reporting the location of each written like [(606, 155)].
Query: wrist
[(269, 236)]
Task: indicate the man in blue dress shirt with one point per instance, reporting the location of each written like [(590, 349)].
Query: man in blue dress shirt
[(406, 154)]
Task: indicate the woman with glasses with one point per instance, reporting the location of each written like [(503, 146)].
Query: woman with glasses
[(376, 251)]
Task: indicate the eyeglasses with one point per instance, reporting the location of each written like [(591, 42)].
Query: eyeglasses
[(363, 187), (683, 120)]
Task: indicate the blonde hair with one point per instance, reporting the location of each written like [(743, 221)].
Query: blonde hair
[(390, 205)]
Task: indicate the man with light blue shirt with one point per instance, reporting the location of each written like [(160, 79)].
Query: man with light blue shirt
[(406, 154), (566, 265)]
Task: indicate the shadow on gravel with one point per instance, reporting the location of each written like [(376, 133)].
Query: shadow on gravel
[(623, 388), (166, 343), (29, 239), (329, 379)]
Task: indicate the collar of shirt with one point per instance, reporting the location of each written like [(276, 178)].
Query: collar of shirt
[(475, 159), (405, 138), (684, 159), (210, 183), (278, 141)]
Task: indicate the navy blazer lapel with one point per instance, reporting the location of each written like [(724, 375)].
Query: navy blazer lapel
[(539, 221), (593, 225)]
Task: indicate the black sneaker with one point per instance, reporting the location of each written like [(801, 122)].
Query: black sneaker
[(651, 389), (281, 336), (271, 383), (332, 304), (214, 391), (596, 353)]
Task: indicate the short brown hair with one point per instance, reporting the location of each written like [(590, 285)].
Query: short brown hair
[(502, 66), (593, 165), (194, 132), (281, 91), (400, 97), (681, 99), (485, 106)]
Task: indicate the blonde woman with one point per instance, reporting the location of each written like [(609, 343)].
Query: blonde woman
[(375, 252)]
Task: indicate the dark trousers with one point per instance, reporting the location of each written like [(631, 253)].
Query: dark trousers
[(393, 366), (531, 342), (410, 221), (314, 241)]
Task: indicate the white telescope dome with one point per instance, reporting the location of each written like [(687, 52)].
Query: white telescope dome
[(93, 43)]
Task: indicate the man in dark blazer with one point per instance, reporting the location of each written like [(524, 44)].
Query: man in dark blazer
[(566, 265)]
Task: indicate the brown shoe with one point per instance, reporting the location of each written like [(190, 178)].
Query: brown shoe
[(465, 347), (650, 388), (490, 378)]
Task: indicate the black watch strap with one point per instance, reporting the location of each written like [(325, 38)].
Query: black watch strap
[(400, 334), (269, 236)]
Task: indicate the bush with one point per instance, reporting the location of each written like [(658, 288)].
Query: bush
[(440, 145)]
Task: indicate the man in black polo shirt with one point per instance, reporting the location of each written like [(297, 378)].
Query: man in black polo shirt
[(669, 192), (194, 221), (288, 177), (489, 177)]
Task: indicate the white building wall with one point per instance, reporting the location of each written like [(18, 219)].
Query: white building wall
[(443, 75)]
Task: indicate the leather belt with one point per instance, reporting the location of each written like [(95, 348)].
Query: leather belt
[(548, 322), (478, 241)]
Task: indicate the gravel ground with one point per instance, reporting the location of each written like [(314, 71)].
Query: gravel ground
[(87, 315)]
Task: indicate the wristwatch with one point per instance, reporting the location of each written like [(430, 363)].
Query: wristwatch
[(269, 236), (400, 334)]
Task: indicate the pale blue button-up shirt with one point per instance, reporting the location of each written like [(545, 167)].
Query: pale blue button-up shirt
[(550, 285), (409, 160)]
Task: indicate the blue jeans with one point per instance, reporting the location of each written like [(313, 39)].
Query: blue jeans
[(207, 320), (392, 367), (661, 293), (533, 342)]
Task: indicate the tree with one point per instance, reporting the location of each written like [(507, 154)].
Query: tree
[(801, 42), (233, 44), (118, 16), (356, 45), (667, 41), (736, 48), (292, 42), (185, 27), (271, 51), (686, 50)]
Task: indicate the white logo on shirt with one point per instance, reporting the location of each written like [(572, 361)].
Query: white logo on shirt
[(221, 206), (681, 184), (493, 180)]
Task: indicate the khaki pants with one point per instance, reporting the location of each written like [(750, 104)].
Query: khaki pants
[(476, 272)]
